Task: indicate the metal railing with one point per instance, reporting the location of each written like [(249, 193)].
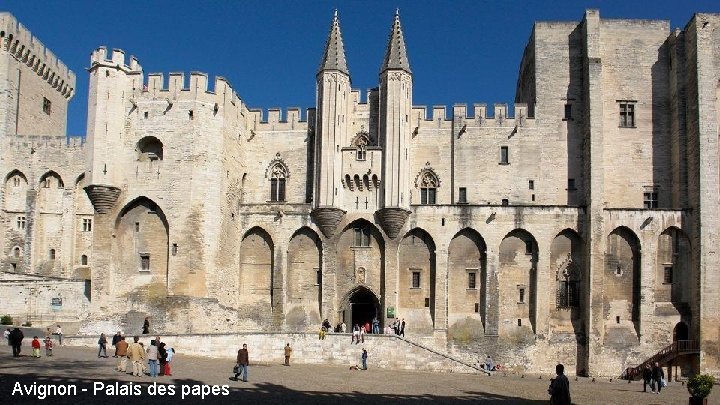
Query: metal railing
[(677, 348)]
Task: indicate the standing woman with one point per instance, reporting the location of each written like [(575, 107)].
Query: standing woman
[(170, 353), (102, 344)]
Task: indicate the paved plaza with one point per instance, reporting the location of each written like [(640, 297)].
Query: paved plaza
[(297, 384)]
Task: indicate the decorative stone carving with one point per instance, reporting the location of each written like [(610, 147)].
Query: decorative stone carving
[(327, 219), (360, 275), (427, 177), (392, 220), (102, 197)]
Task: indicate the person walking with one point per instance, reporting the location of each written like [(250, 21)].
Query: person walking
[(102, 343), (559, 389), (657, 377), (121, 351), (243, 362), (170, 354), (647, 377), (36, 347), (402, 328), (7, 335), (136, 354), (152, 357), (146, 326), (48, 346), (363, 357), (16, 338), (115, 339), (288, 351), (59, 333)]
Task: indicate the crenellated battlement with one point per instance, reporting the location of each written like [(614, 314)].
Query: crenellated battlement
[(19, 41), (275, 120), (480, 116), (116, 59), (39, 143)]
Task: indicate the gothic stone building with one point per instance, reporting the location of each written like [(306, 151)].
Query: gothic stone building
[(580, 226)]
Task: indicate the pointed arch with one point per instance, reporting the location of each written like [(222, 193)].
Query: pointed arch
[(304, 279), (51, 178), (673, 273), (517, 281), (427, 181), (417, 263), (256, 278), (16, 173), (79, 179), (622, 282), (149, 148), (278, 173), (467, 274)]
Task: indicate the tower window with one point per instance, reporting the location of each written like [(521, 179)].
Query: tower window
[(462, 196), (277, 182), (144, 262), (650, 199), (362, 237), (51, 254), (531, 184), (521, 295), (20, 223), (627, 114), (504, 155), (87, 225), (361, 153), (84, 260), (428, 187), (668, 275), (47, 106), (568, 112), (415, 279), (472, 280)]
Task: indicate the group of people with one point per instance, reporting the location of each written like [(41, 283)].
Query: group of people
[(654, 377), (159, 355), (15, 337), (359, 330)]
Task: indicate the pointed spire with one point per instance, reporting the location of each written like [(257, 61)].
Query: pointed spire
[(334, 56), (396, 54)]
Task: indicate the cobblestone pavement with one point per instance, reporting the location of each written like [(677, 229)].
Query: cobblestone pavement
[(297, 384)]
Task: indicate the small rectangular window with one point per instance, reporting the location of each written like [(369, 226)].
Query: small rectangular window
[(571, 185), (477, 307), (504, 155), (650, 199), (87, 225), (505, 202), (145, 262), (627, 114), (362, 237), (361, 154), (668, 275), (51, 254), (21, 223), (191, 115), (462, 196), (137, 226), (47, 106), (427, 302), (568, 112), (318, 277), (471, 280), (531, 184), (519, 322), (415, 279), (521, 295), (427, 195)]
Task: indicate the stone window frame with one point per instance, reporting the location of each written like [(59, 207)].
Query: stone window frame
[(415, 283), (568, 279), (474, 285), (21, 222), (145, 266), (361, 237), (277, 174), (84, 260), (668, 273), (51, 254), (627, 116), (650, 197), (462, 195), (47, 106), (16, 252), (522, 294), (87, 224), (504, 155), (427, 182)]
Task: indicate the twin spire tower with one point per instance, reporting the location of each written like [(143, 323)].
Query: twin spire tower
[(334, 131)]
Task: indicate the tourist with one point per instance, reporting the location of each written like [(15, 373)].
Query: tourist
[(323, 332), (366, 327), (102, 343), (647, 377), (288, 351), (396, 327), (364, 359), (243, 361), (489, 364), (657, 377), (48, 346), (355, 334), (343, 327), (375, 326), (559, 387), (170, 354), (326, 324), (36, 347), (388, 330), (16, 338), (402, 328), (136, 354), (7, 336), (59, 333), (115, 339), (162, 355), (152, 357), (121, 351), (146, 326), (362, 335)]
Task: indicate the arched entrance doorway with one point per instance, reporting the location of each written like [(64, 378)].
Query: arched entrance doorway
[(681, 332), (362, 306)]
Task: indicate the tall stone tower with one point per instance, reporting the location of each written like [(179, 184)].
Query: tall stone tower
[(112, 83), (332, 127), (394, 131)]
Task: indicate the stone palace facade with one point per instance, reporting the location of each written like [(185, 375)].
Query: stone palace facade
[(580, 225)]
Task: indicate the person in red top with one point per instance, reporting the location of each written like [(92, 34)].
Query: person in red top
[(36, 347)]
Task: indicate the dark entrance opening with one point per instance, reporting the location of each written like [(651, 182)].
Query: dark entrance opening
[(364, 306), (680, 332)]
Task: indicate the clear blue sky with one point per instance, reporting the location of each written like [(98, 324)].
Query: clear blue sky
[(460, 51)]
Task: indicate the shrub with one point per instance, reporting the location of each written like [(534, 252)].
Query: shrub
[(700, 385), (6, 320)]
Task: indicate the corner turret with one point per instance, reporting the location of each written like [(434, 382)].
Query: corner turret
[(394, 132), (331, 130)]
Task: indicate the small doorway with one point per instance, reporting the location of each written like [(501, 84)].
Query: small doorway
[(363, 307), (681, 332)]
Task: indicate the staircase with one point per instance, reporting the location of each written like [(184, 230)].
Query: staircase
[(676, 349)]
